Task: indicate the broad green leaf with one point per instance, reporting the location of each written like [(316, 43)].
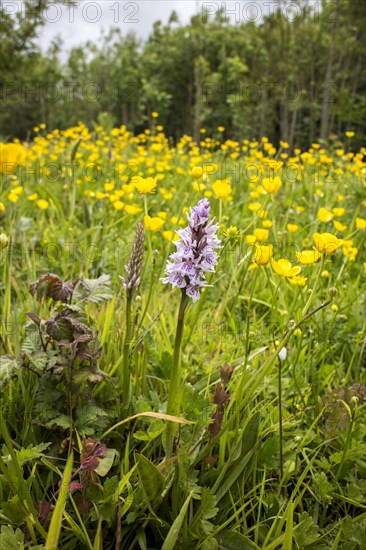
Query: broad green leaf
[(152, 479), (106, 463)]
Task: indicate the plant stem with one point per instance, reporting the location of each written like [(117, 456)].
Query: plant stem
[(175, 394), (280, 416), (125, 374), (310, 299)]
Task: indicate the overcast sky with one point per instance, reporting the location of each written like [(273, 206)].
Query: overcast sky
[(88, 18)]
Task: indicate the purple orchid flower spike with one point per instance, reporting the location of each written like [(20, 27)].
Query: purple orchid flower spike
[(196, 252)]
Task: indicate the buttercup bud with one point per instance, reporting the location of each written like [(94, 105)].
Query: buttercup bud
[(332, 292)]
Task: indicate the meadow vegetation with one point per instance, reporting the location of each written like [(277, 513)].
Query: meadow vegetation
[(259, 441)]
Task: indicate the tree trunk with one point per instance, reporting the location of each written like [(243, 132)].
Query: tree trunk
[(328, 76)]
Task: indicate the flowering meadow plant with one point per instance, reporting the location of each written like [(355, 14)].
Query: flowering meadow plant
[(196, 252)]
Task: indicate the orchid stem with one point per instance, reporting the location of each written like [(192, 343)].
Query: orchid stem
[(175, 393)]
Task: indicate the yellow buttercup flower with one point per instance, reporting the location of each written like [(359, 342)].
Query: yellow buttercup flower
[(298, 280), (292, 227), (338, 211), (267, 224), (339, 226), (145, 185), (261, 234), (299, 209), (11, 155), (118, 205), (350, 252), (350, 134), (222, 189), (254, 206), (2, 208), (308, 257), (325, 215), (109, 186), (272, 185), (250, 239), (263, 254), (284, 268), (132, 209), (153, 224), (360, 223), (43, 204), (196, 172), (170, 235), (326, 243)]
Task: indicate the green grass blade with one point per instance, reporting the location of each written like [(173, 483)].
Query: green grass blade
[(55, 525)]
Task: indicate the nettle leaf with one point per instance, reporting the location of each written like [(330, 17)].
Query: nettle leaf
[(54, 287), (94, 290), (8, 366), (61, 421), (90, 418), (151, 478), (10, 538), (35, 318), (38, 361), (31, 453), (306, 532)]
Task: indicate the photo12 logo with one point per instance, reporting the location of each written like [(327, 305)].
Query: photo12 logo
[(68, 13)]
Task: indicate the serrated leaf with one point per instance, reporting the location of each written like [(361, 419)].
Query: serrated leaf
[(8, 366), (151, 478), (11, 539), (31, 453), (306, 532), (55, 288), (94, 290)]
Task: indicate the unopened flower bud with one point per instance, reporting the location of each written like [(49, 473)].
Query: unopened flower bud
[(226, 372), (134, 267), (291, 323), (4, 241), (334, 308), (325, 274), (354, 400), (298, 332), (332, 292), (220, 396), (283, 354)]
